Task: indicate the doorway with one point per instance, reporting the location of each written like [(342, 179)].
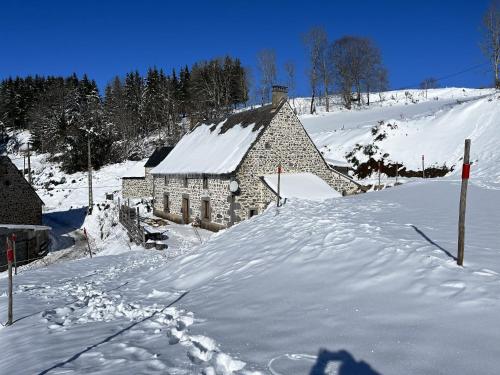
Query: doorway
[(185, 210)]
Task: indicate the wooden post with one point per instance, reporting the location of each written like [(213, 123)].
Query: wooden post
[(463, 201), (423, 167), (88, 244), (279, 182), (24, 165), (379, 171), (29, 164), (14, 250), (10, 258)]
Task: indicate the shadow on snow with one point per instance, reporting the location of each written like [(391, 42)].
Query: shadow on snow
[(62, 224), (347, 364)]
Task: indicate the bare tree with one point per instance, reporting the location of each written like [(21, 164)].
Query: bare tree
[(266, 62), (429, 83), (491, 42), (316, 41), (357, 64), (290, 79)]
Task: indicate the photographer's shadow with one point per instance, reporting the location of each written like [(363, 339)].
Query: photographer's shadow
[(347, 364)]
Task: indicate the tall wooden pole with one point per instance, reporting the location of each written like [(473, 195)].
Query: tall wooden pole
[(423, 167), (29, 164), (89, 159), (463, 202), (24, 164)]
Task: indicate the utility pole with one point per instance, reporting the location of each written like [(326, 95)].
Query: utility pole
[(463, 201), (29, 164), (91, 198)]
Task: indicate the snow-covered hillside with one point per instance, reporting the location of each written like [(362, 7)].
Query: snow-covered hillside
[(409, 126)]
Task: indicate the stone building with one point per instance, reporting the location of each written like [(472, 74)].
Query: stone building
[(216, 172), (19, 202), (138, 183)]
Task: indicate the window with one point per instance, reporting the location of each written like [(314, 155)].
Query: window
[(205, 209), (205, 183), (185, 182), (166, 202), (267, 146), (252, 212), (166, 181)]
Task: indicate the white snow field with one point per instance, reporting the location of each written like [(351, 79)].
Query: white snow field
[(365, 284)]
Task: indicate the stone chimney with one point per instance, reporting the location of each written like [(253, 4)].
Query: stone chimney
[(280, 93)]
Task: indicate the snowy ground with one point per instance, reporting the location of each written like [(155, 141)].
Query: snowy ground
[(371, 276), (365, 284)]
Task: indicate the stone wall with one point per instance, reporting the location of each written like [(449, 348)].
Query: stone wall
[(138, 187), (217, 192), (19, 203), (285, 141)]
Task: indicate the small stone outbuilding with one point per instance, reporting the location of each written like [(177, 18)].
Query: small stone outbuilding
[(19, 202), (214, 175), (138, 183)]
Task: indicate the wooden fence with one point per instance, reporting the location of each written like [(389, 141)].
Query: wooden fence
[(131, 221)]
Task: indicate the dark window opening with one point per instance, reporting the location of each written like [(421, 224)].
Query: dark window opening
[(205, 209), (252, 212), (205, 183), (267, 145), (185, 182), (166, 180)]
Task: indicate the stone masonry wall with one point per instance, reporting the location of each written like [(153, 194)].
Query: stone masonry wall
[(285, 141), (217, 192), (19, 203), (138, 187)]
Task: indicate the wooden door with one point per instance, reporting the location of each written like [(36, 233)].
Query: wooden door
[(185, 210)]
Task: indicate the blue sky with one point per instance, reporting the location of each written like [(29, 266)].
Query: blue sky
[(106, 38)]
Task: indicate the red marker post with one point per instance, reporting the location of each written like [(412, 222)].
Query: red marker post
[(14, 250), (463, 201), (279, 181), (10, 259)]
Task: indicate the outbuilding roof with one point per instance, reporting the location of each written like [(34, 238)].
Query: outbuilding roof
[(157, 156)]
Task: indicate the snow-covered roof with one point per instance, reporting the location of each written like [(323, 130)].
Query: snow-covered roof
[(136, 171), (219, 147), (301, 185)]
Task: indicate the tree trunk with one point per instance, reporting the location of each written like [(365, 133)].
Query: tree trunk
[(326, 99), (312, 102)]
